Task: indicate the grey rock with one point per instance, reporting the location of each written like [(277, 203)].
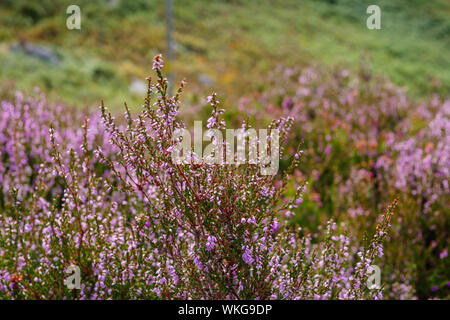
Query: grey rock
[(138, 87), (40, 52), (205, 80)]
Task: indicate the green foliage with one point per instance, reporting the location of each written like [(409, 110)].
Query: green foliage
[(236, 42)]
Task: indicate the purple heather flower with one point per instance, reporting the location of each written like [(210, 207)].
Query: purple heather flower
[(211, 243), (247, 257)]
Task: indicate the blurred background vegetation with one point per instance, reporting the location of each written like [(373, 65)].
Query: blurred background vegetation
[(224, 45), (234, 47)]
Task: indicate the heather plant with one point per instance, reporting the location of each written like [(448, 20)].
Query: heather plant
[(108, 199), (415, 166), (421, 173), (25, 144), (366, 142)]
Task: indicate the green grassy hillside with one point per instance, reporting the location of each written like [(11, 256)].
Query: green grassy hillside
[(224, 45)]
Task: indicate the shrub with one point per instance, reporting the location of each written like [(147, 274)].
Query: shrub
[(140, 226), (367, 142)]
